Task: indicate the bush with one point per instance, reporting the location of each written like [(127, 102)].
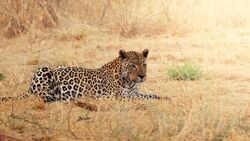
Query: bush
[(20, 15), (186, 71), (1, 76)]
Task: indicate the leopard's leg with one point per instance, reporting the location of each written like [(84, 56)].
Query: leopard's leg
[(13, 98), (136, 94), (44, 84)]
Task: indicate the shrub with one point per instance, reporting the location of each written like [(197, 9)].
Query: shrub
[(186, 71), (19, 15)]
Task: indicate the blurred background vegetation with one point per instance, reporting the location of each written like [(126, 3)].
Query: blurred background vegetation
[(125, 18)]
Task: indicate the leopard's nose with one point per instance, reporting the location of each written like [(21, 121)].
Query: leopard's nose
[(141, 76)]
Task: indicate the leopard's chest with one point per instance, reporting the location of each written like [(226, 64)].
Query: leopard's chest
[(129, 91)]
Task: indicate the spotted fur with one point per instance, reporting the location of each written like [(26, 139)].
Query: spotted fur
[(119, 79)]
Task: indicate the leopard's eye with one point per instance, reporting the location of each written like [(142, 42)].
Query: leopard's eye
[(133, 66)]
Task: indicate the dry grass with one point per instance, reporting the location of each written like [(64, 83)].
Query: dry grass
[(213, 34)]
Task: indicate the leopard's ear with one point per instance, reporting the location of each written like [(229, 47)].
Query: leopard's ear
[(145, 53), (123, 54)]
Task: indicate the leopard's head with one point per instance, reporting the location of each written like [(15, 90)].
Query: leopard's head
[(134, 66)]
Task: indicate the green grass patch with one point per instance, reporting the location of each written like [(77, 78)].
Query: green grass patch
[(186, 71), (1, 77)]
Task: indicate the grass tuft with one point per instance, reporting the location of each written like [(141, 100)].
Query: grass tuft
[(1, 77), (186, 71)]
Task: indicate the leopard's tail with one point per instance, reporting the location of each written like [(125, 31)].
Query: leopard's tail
[(14, 98)]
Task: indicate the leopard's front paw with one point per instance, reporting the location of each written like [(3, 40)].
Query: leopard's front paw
[(166, 98)]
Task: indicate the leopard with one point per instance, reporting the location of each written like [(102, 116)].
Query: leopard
[(118, 79)]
